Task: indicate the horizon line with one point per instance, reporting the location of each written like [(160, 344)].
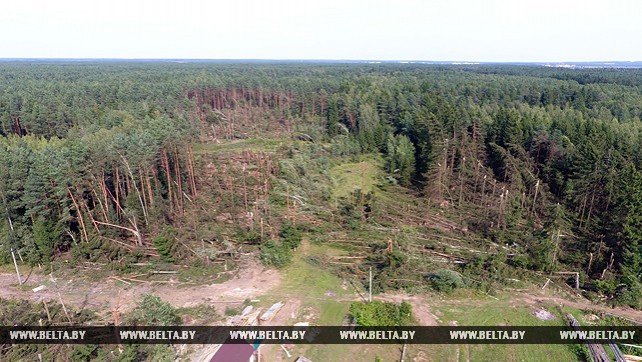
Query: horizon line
[(462, 62)]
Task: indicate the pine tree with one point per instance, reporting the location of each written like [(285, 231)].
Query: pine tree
[(45, 238), (631, 265), (400, 160)]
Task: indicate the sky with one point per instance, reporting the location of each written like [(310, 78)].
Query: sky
[(437, 30)]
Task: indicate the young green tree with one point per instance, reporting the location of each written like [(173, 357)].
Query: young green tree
[(400, 160), (631, 266)]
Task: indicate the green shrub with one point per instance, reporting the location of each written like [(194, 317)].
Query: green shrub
[(349, 214), (166, 244), (519, 261), (291, 236), (631, 295), (580, 351), (445, 280), (45, 238), (84, 352), (231, 311), (606, 287), (275, 254), (101, 249), (153, 311), (252, 237), (378, 313)]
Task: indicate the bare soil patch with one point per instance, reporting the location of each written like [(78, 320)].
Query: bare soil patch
[(252, 281)]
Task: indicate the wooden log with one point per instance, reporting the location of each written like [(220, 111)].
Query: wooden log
[(545, 284), (135, 232), (444, 255), (44, 302), (136, 280), (119, 279), (64, 308), (82, 222)]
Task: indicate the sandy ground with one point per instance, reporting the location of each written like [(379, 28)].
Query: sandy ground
[(252, 281)]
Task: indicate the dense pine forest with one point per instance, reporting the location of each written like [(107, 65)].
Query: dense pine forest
[(537, 168)]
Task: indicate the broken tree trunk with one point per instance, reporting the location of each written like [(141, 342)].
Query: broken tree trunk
[(133, 231), (82, 222), (142, 204), (535, 197), (179, 182), (117, 192), (165, 161)]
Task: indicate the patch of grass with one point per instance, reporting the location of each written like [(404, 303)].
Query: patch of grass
[(351, 353), (9, 268), (323, 299), (484, 311), (323, 295), (304, 278), (472, 309), (332, 312), (347, 177)]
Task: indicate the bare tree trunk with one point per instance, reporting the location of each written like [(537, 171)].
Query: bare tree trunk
[(142, 204), (287, 201), (232, 206), (245, 192), (142, 186), (82, 222), (91, 217), (363, 185), (169, 177), (179, 182), (127, 184), (461, 180), (483, 192), (190, 159), (476, 175), (557, 243), (100, 203), (535, 197), (133, 231), (104, 187), (582, 208), (13, 255), (117, 192), (149, 189), (155, 177)]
